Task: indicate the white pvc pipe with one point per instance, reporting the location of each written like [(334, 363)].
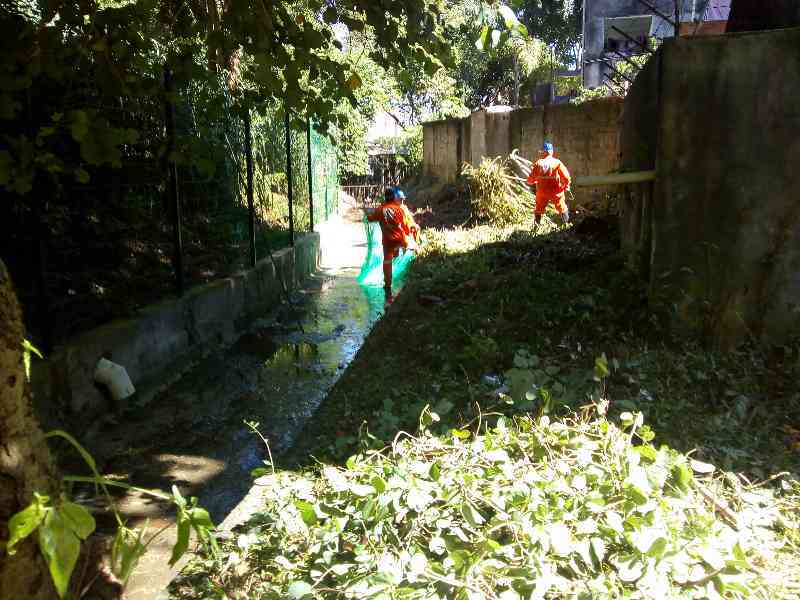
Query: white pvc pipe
[(115, 378), (614, 179)]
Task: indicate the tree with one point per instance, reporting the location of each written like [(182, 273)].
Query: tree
[(502, 48), (279, 52), (558, 23), (25, 462)]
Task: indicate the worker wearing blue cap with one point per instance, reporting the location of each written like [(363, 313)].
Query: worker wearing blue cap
[(551, 179), (398, 230)]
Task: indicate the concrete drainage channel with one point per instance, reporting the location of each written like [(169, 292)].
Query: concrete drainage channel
[(192, 433)]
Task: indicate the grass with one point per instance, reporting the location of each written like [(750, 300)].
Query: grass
[(566, 299), (496, 321)]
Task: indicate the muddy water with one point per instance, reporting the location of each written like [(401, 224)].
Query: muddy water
[(193, 434)]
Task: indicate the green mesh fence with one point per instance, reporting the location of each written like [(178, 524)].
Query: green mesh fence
[(372, 270), (325, 169), (302, 214), (271, 184)]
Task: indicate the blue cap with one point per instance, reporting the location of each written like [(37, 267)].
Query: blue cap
[(398, 193), (547, 147)]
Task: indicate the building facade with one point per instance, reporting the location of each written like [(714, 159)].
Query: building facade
[(617, 29)]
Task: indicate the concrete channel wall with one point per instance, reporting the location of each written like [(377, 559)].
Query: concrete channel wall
[(153, 345), (716, 235), (586, 137)]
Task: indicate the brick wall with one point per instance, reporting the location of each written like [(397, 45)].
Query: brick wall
[(586, 137)]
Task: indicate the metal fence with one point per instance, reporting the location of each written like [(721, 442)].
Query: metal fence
[(198, 196)]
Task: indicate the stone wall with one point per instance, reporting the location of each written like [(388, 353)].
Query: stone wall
[(718, 235), (586, 138), (161, 337)]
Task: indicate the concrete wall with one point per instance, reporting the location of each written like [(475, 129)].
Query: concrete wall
[(586, 137), (638, 142), (151, 345), (443, 148), (724, 218)]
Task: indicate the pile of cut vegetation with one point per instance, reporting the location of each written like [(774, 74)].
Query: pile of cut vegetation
[(498, 193), (530, 508)]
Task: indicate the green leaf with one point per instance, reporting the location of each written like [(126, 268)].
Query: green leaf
[(472, 515), (598, 547), (435, 471), (307, 512), (200, 518), (126, 551), (299, 589), (61, 548), (177, 498), (81, 175), (353, 82), (28, 347), (681, 477), (601, 367), (259, 472), (379, 484), (25, 522), (182, 542), (658, 548), (78, 125), (483, 39), (77, 519)]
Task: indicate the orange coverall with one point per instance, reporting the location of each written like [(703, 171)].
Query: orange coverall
[(397, 229), (551, 178)]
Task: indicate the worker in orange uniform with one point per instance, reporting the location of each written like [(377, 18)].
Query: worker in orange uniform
[(551, 179), (398, 230)]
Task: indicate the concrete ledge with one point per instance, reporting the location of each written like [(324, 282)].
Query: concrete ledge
[(162, 335)]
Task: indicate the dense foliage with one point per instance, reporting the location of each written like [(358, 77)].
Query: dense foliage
[(288, 53), (531, 508)]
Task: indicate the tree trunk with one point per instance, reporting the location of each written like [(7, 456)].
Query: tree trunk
[(25, 461), (756, 15)]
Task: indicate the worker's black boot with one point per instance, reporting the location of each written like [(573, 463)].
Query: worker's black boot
[(388, 296), (536, 223)]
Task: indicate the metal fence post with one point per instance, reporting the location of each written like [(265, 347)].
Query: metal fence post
[(172, 168), (251, 219), (289, 174), (310, 178)]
